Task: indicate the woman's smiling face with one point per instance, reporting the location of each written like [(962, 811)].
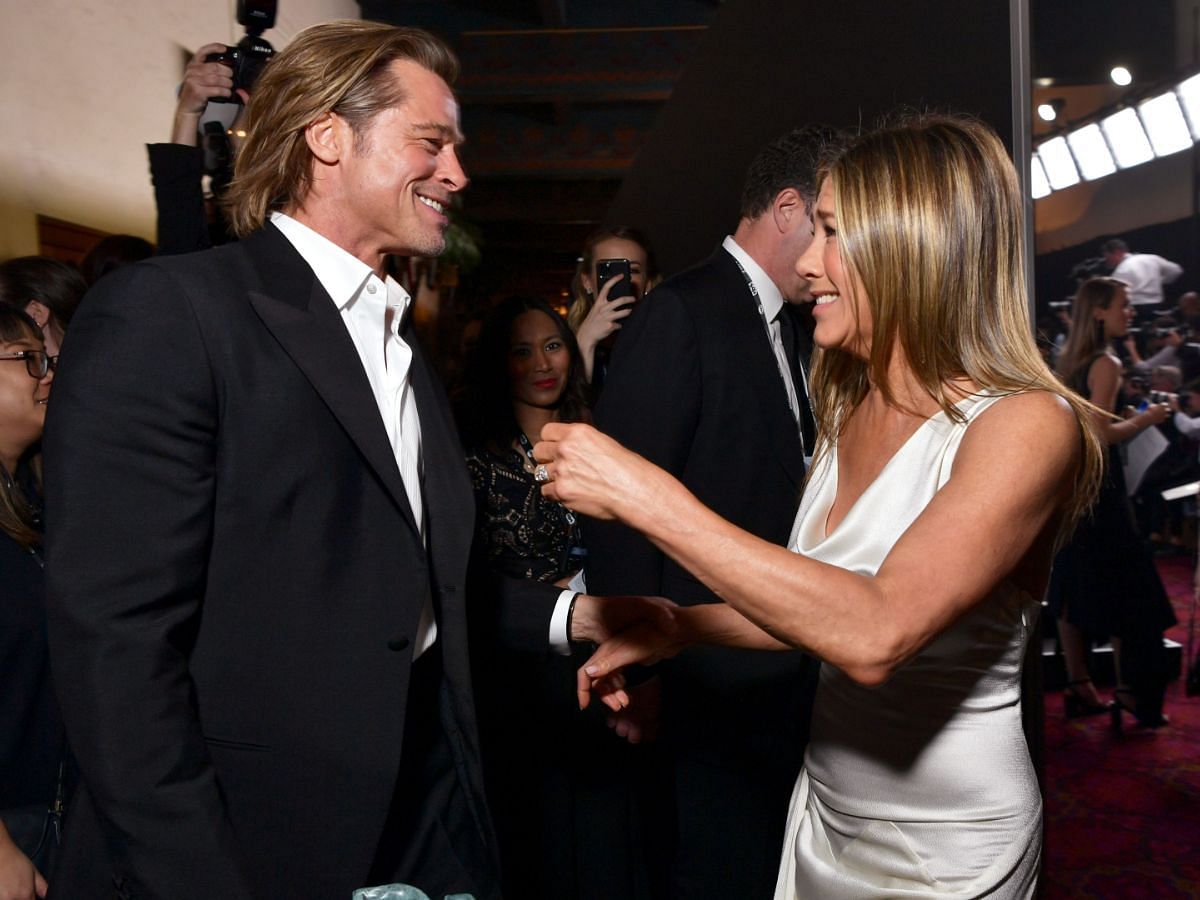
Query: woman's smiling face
[(841, 311), (22, 396)]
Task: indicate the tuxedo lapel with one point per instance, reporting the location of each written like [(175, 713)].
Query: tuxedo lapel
[(449, 502), (296, 309)]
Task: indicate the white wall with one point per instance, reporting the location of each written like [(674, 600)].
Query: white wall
[(85, 84)]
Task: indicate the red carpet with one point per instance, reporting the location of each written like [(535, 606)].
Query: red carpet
[(1123, 812)]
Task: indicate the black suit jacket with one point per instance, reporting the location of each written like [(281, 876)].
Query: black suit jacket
[(694, 386), (235, 579)]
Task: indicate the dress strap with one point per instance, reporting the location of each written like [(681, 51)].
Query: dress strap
[(978, 403)]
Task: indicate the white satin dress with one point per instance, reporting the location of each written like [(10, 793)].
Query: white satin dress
[(922, 787)]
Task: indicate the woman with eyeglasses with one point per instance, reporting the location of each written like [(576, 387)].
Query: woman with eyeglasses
[(31, 736)]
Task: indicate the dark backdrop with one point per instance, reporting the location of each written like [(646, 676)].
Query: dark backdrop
[(769, 65)]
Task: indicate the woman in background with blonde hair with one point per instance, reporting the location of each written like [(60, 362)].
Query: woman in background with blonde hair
[(950, 460), (595, 318), (1105, 584)]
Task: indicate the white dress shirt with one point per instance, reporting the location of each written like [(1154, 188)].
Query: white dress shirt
[(770, 298), (1145, 274), (372, 310)]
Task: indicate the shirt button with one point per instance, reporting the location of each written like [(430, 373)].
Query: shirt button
[(370, 288)]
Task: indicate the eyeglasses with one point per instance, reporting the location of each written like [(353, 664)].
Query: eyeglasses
[(37, 362)]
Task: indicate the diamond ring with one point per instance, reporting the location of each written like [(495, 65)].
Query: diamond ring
[(541, 474)]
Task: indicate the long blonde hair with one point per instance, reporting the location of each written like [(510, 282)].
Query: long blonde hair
[(930, 221), (339, 66), (582, 298), (1085, 338)]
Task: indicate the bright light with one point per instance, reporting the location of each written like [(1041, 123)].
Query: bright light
[(1060, 167), (1164, 123), (1091, 152), (1038, 184), (1047, 112), (1121, 75), (1128, 141), (1189, 95)]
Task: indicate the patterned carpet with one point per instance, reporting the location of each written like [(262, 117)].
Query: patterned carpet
[(1123, 812)]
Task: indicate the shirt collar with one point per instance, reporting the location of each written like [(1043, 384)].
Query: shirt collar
[(341, 273), (769, 294)]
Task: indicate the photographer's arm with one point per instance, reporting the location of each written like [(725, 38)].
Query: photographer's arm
[(202, 81), (177, 168)]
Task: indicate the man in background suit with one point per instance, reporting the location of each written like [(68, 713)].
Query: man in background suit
[(708, 381), (262, 520)]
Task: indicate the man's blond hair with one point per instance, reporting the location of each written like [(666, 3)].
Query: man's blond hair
[(340, 67)]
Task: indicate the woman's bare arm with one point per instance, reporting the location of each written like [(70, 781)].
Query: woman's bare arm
[(1011, 471), (1104, 381)]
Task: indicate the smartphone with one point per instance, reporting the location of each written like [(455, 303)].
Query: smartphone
[(608, 268)]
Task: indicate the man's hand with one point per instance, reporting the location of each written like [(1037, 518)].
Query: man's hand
[(19, 878), (202, 81), (597, 619), (638, 722)]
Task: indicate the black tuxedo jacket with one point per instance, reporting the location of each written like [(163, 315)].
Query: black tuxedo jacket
[(694, 386), (235, 579)]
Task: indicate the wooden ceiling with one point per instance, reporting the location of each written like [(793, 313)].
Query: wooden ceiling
[(559, 95)]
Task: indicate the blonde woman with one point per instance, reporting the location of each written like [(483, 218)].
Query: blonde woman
[(594, 317), (950, 460), (1105, 585)]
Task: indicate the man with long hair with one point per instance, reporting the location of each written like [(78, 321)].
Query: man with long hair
[(262, 519)]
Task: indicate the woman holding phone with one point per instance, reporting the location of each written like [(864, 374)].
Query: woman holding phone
[(600, 303)]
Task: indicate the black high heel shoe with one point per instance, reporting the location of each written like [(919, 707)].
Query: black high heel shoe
[(1076, 706), (1145, 719)]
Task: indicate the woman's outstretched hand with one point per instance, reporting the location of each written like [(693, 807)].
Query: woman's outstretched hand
[(591, 473), (646, 642), (19, 878)]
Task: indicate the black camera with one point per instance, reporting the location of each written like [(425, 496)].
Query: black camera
[(252, 53)]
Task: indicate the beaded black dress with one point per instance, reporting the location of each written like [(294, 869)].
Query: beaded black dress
[(525, 535), (564, 791)]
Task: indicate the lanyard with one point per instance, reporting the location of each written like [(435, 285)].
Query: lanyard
[(528, 448), (762, 317)]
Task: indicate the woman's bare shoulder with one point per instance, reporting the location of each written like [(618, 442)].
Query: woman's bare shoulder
[(1036, 424)]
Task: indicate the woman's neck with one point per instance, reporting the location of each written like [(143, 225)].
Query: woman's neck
[(9, 461), (532, 419)]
